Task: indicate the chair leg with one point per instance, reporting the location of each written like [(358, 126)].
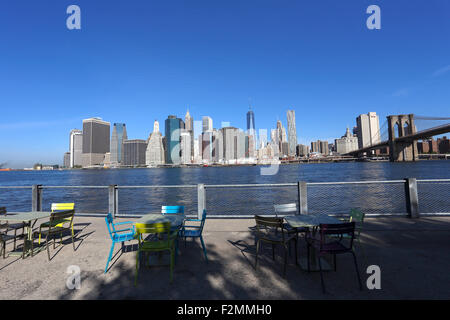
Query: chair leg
[(3, 248), (172, 261), (204, 248), (73, 240), (357, 270), (307, 257), (258, 243), (334, 262), (321, 275), (137, 268), (15, 235), (109, 257), (273, 252), (48, 250), (296, 252), (285, 260)]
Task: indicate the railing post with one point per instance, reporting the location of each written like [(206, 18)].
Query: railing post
[(412, 199), (302, 197), (201, 199), (36, 197), (113, 199)]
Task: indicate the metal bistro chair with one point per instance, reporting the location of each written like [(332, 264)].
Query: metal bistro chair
[(194, 231), (172, 210), (13, 226), (289, 209), (164, 241), (118, 235), (357, 216), (55, 226), (270, 230), (329, 245), (3, 236)]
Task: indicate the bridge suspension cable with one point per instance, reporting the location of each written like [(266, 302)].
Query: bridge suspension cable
[(430, 118)]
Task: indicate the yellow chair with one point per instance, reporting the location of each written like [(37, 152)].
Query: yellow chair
[(59, 207)]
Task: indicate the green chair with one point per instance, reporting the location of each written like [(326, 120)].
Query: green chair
[(56, 226), (357, 216), (163, 241), (3, 236)]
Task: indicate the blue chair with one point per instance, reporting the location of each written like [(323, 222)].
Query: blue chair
[(118, 236), (172, 210), (194, 231)]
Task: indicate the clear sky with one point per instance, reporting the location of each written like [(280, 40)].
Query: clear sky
[(137, 61)]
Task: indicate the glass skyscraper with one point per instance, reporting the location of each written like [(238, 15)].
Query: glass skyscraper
[(292, 132), (119, 135), (173, 126), (250, 121)]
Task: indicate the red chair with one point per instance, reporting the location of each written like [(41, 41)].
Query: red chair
[(333, 239)]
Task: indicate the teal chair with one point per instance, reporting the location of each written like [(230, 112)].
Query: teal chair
[(118, 235), (172, 210), (194, 231)]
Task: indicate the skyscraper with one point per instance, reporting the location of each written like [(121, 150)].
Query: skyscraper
[(185, 146), (154, 154), (207, 124), (96, 141), (292, 132), (75, 148), (368, 129), (189, 124), (173, 126), (250, 120), (118, 136), (346, 143), (134, 152)]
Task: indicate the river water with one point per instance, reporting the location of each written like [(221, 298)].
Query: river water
[(373, 198)]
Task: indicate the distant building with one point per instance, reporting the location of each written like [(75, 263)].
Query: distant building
[(302, 150), (368, 130), (66, 162), (134, 152), (443, 145), (189, 126), (173, 126), (229, 135), (284, 149), (154, 154), (118, 136), (346, 143), (96, 141), (75, 148), (207, 124), (292, 132), (320, 147), (185, 146)]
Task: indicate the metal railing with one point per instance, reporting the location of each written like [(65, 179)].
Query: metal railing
[(408, 197)]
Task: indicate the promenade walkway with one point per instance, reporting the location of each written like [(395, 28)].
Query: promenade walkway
[(414, 257)]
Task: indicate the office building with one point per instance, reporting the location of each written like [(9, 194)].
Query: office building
[(134, 152), (189, 126), (302, 150), (292, 132), (75, 148), (118, 136), (173, 126), (320, 147), (154, 154), (96, 141), (66, 161), (346, 143), (368, 129), (229, 135), (185, 146), (207, 124)]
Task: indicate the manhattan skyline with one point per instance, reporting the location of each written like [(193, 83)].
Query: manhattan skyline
[(135, 64)]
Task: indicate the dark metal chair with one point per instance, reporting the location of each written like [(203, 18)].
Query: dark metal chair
[(56, 226), (270, 230), (11, 226), (333, 239)]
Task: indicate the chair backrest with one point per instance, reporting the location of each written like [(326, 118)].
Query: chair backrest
[(57, 216), (267, 225), (3, 225), (172, 209), (203, 220), (287, 208), (337, 229), (110, 224), (157, 228), (356, 215), (62, 206)]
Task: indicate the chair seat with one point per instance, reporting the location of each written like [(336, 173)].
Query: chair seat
[(333, 247), (119, 237), (190, 233), (55, 223), (15, 226), (6, 237), (157, 245), (53, 230)]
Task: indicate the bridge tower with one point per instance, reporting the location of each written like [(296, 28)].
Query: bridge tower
[(402, 150)]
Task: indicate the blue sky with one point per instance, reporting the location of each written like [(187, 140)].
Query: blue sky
[(137, 61)]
